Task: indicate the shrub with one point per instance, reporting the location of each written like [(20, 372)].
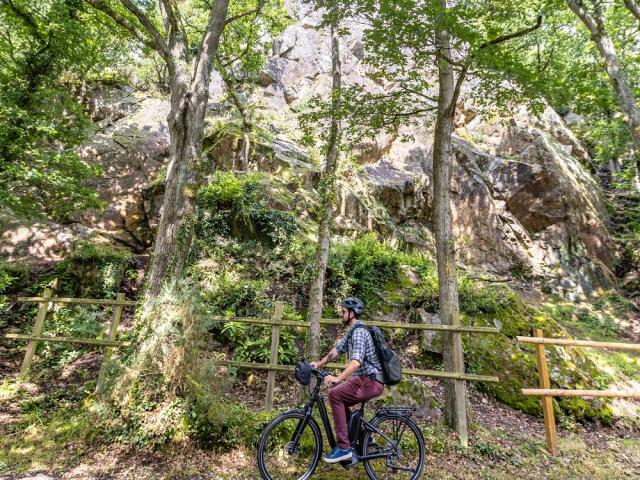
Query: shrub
[(362, 268), (253, 344), (239, 207), (96, 270), (11, 277), (76, 321)]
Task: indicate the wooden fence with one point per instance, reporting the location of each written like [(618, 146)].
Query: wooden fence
[(276, 322), (547, 393), (47, 303)]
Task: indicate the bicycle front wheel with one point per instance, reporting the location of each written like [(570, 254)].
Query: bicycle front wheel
[(402, 445), (283, 455)]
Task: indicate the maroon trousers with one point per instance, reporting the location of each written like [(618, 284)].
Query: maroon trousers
[(345, 395)]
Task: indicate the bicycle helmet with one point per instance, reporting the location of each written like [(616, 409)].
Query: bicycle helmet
[(354, 304)]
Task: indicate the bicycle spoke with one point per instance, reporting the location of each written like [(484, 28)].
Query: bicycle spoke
[(281, 457), (402, 428), (402, 442)]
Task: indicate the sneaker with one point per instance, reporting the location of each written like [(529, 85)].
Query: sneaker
[(338, 455)]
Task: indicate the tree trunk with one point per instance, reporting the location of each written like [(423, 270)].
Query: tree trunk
[(327, 194), (175, 231), (246, 125), (633, 8), (455, 390), (246, 145), (617, 77), (189, 97)]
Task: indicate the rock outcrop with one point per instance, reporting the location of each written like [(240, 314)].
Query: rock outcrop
[(523, 201)]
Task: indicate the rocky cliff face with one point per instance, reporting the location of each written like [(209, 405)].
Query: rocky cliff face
[(524, 203)]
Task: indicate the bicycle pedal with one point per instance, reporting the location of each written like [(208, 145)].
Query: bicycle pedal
[(352, 462)]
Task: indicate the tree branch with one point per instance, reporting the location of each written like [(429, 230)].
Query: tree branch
[(633, 8), (491, 43), (255, 11), (175, 30), (210, 40), (7, 36), (228, 62), (161, 44), (172, 18), (123, 22), (511, 36), (587, 19), (28, 20), (456, 90)]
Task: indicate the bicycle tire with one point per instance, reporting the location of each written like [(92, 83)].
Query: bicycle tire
[(271, 430), (417, 449)]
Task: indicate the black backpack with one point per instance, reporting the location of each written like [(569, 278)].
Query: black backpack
[(389, 360)]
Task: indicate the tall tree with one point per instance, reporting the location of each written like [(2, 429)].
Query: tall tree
[(189, 64), (241, 58), (449, 89), (327, 195), (403, 44), (455, 396), (592, 16)]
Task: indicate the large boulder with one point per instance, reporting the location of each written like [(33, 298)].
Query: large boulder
[(131, 151), (41, 243)]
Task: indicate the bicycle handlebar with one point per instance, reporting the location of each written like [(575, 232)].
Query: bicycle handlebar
[(319, 373)]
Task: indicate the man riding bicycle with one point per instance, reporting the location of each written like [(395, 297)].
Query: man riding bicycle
[(364, 369)]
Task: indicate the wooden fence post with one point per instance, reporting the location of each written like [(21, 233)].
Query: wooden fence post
[(113, 332), (547, 401), (460, 387), (37, 331), (275, 343)]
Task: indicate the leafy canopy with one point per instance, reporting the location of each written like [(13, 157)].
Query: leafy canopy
[(45, 48)]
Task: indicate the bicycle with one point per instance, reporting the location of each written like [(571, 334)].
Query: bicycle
[(290, 446)]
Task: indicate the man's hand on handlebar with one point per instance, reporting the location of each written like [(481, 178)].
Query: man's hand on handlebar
[(331, 380)]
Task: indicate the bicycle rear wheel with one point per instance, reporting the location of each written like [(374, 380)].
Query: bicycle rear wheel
[(402, 444), (279, 458)]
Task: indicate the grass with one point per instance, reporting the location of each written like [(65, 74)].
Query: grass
[(61, 436), (602, 321), (45, 440)]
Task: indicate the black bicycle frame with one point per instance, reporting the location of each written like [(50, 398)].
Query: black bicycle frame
[(316, 398)]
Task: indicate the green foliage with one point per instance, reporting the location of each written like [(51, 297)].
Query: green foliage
[(96, 271), (253, 344), (475, 301), (76, 321), (226, 293), (90, 252), (399, 46), (12, 276), (597, 322), (239, 206), (228, 425), (229, 295), (43, 47), (362, 268)]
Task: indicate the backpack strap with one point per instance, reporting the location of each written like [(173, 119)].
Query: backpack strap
[(361, 325)]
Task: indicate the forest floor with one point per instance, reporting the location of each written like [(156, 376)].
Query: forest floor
[(43, 437), (50, 443)]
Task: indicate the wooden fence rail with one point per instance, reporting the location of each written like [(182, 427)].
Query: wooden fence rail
[(547, 393), (276, 323), (47, 302)]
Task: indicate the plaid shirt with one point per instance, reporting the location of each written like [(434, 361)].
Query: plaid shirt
[(359, 344)]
